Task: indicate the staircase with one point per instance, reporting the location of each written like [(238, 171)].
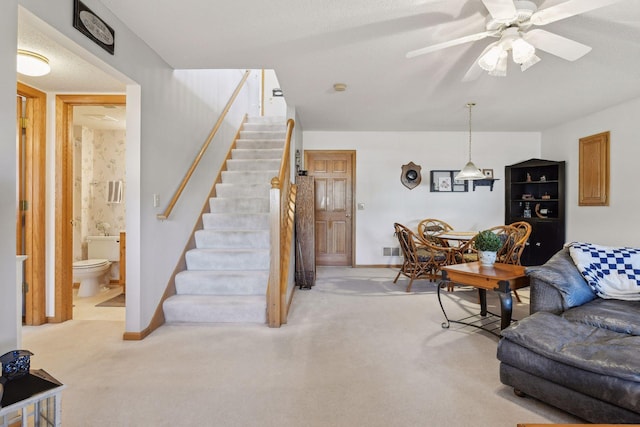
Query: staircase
[(228, 271)]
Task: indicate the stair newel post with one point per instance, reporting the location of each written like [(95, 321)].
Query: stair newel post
[(273, 289)]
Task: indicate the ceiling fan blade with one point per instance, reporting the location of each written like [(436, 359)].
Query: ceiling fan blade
[(450, 43), (568, 9), (501, 10), (556, 45), (474, 72)]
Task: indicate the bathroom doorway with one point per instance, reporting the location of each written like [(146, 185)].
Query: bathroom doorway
[(65, 183)]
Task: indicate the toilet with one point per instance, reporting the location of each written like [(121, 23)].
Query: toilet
[(93, 272)]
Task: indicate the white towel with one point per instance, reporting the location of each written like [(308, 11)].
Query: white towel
[(114, 191)]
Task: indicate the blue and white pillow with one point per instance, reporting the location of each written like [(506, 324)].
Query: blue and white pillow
[(612, 272)]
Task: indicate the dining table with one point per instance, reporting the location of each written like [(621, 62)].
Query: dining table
[(459, 237)]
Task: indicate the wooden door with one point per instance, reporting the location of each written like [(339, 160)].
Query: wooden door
[(30, 218), (20, 171), (333, 175)]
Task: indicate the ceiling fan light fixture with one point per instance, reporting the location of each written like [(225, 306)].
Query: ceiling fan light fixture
[(489, 61), (529, 63), (32, 64), (501, 67), (522, 51)]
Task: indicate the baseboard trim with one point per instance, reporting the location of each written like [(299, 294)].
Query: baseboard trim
[(377, 266), (136, 336)]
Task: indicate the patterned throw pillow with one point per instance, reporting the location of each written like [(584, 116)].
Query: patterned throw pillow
[(612, 272)]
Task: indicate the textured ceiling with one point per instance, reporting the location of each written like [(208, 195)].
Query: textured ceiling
[(69, 73), (362, 43)]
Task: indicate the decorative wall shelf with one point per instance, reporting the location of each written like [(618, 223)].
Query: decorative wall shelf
[(484, 183)]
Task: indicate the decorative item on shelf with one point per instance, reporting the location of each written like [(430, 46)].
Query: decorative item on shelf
[(487, 244), (527, 210), (527, 196), (528, 177), (546, 196), (542, 212), (543, 178), (488, 173), (470, 171), (410, 176), (15, 364)]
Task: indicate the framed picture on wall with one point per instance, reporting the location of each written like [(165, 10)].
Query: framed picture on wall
[(488, 173), (443, 181)]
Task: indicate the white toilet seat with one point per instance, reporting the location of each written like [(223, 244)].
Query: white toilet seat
[(90, 263)]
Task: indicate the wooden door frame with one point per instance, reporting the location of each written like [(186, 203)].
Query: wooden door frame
[(64, 196), (35, 196), (352, 155)]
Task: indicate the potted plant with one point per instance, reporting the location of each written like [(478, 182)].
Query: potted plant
[(487, 244)]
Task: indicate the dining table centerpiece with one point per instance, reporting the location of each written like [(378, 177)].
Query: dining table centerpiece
[(487, 243)]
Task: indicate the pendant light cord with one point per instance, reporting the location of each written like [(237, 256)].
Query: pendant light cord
[(470, 105)]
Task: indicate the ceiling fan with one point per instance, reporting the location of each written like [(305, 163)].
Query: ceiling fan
[(510, 21)]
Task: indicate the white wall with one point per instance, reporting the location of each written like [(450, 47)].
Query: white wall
[(616, 224), (379, 159), (169, 114), (8, 290), (273, 105)]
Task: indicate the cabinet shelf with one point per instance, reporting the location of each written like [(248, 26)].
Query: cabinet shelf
[(535, 219), (549, 181), (548, 233)]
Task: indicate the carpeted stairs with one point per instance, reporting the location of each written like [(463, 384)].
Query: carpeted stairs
[(227, 274)]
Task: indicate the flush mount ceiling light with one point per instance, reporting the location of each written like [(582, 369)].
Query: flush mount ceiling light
[(339, 87), (32, 64), (470, 171)]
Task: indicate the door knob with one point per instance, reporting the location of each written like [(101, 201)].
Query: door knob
[(348, 215)]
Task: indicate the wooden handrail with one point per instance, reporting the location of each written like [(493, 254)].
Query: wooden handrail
[(212, 134), (284, 164), (281, 218)]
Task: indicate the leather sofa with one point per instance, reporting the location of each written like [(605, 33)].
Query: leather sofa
[(576, 351)]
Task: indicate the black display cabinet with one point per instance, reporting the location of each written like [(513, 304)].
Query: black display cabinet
[(535, 192)]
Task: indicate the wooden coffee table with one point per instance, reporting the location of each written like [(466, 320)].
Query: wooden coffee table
[(501, 278)]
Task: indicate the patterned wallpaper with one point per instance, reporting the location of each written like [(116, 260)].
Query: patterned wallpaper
[(99, 159)]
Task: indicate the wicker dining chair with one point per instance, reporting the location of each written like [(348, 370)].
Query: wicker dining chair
[(422, 259), (430, 228)]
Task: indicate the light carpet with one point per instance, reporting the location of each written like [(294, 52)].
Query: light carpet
[(117, 301), (357, 351)]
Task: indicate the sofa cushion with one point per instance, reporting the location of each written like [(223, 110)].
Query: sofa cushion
[(615, 315), (561, 273), (577, 344), (615, 391), (612, 272)]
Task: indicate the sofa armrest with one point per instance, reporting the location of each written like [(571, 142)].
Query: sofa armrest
[(557, 285)]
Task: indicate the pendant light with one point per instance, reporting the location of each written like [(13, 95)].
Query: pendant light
[(470, 171)]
